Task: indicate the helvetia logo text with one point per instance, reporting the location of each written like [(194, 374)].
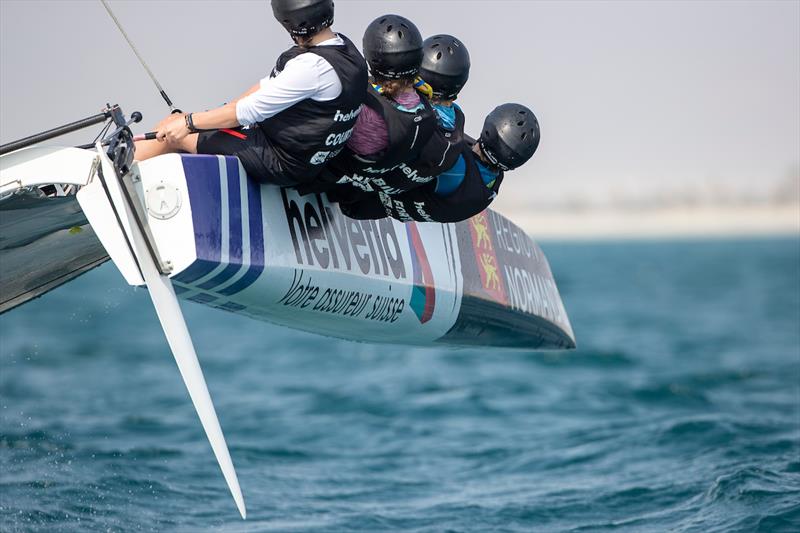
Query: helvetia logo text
[(322, 237), (347, 117)]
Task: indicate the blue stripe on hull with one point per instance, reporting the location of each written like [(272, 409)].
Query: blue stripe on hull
[(256, 239), (202, 177), (179, 289), (205, 183), (235, 227)]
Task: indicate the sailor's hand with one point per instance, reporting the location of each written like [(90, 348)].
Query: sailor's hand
[(173, 130)]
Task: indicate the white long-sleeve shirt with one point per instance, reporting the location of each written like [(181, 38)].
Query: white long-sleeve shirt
[(305, 76)]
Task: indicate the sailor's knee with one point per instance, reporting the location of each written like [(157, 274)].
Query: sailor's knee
[(188, 143)]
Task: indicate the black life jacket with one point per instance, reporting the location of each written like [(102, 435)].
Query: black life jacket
[(424, 205), (308, 134), (441, 152), (392, 170)]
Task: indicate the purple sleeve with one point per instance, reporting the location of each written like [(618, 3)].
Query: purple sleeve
[(370, 135)]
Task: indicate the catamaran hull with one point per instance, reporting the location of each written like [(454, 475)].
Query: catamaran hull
[(272, 254), (44, 243)]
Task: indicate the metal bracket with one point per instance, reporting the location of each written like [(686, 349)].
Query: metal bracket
[(132, 197)]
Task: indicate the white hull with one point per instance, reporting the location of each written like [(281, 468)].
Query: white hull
[(274, 255)]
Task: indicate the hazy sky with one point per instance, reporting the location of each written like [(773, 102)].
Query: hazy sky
[(632, 97)]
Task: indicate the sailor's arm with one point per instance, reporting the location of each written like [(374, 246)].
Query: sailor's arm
[(175, 127), (222, 117), (300, 79), (306, 76)]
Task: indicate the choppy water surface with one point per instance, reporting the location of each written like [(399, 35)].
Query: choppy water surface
[(680, 411)]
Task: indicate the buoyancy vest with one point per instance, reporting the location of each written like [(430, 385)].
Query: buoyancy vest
[(308, 134), (424, 205), (394, 170), (441, 152)]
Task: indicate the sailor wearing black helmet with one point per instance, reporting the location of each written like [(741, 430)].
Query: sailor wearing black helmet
[(444, 72), (296, 119), (395, 124), (509, 138)]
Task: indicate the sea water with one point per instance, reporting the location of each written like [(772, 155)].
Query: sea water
[(680, 411)]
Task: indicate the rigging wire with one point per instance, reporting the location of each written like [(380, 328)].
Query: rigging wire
[(102, 132), (163, 93)]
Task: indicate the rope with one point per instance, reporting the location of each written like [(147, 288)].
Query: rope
[(139, 57)]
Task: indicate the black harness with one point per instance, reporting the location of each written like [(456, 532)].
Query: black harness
[(424, 205), (309, 134), (391, 171)]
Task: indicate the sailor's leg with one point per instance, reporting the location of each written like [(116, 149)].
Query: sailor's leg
[(148, 149), (189, 143)]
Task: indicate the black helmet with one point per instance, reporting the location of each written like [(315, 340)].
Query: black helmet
[(510, 136), (303, 17), (445, 65), (393, 47)]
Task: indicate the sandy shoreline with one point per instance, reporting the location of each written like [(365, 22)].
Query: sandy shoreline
[(695, 222)]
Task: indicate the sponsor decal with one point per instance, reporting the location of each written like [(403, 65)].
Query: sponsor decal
[(324, 238), (356, 180), (423, 293), (410, 173), (346, 117), (362, 184), (304, 293), (505, 277), (371, 183), (525, 274), (381, 170), (532, 293), (319, 158), (400, 210), (420, 207), (414, 176), (384, 187), (324, 156), (335, 139), (510, 238), (488, 266)]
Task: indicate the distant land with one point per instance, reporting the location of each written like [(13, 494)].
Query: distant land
[(660, 222), (613, 211), (687, 212)]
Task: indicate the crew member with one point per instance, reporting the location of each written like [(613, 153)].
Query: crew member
[(509, 138), (395, 123), (443, 73), (296, 119)]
